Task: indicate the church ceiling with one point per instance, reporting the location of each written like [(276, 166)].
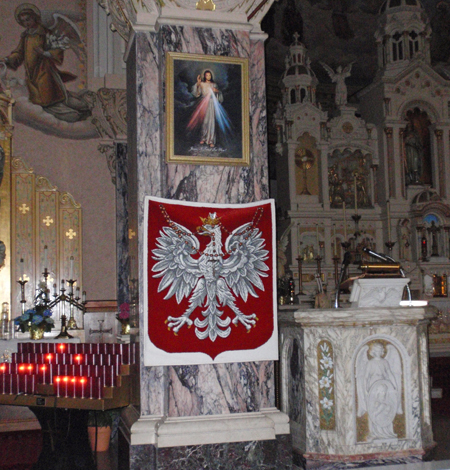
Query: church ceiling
[(339, 32)]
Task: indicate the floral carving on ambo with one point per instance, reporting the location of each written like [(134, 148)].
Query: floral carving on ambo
[(325, 366)]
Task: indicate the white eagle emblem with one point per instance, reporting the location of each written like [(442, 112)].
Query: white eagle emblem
[(211, 279)]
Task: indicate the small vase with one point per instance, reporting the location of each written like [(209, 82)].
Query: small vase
[(125, 327), (103, 437), (36, 333)]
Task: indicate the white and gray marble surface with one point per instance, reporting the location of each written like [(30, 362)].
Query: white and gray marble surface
[(193, 390), (352, 333)]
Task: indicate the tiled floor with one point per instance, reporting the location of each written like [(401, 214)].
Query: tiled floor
[(441, 434)]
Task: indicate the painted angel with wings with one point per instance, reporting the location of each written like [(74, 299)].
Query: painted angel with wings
[(41, 52), (222, 272), (339, 77), (379, 388)]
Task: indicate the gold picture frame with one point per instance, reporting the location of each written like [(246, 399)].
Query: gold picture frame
[(207, 116)]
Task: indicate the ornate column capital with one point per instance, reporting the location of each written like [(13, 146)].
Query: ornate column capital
[(145, 15), (388, 131)]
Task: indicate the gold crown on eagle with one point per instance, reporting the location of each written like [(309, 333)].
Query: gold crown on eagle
[(212, 219)]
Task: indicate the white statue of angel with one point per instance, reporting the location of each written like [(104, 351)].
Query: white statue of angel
[(379, 388), (339, 77)]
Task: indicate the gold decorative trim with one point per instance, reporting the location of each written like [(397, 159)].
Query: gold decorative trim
[(19, 166), (43, 184), (205, 5), (67, 199)]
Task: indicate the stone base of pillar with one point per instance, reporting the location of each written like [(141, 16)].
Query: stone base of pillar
[(238, 441), (314, 461)]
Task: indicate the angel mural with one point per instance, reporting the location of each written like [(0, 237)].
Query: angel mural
[(379, 388), (41, 52), (339, 77)]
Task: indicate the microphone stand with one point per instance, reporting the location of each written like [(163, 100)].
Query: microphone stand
[(345, 263)]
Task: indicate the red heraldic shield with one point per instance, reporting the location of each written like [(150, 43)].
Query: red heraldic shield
[(210, 282)]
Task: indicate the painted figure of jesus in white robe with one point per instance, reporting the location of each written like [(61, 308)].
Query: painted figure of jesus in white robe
[(208, 111)]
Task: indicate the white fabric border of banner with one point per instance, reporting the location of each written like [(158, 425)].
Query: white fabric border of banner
[(154, 356)]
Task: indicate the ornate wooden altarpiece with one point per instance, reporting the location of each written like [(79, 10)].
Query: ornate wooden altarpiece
[(33, 214)]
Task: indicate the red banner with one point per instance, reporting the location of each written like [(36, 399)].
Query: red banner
[(210, 277)]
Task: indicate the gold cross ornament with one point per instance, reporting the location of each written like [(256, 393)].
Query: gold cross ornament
[(71, 234), (24, 209), (47, 221)]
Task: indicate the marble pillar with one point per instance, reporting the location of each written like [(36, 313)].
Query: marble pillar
[(122, 232), (355, 384), (218, 415)]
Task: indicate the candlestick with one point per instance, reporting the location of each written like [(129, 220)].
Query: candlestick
[(356, 197), (335, 239), (300, 276), (345, 222), (71, 268), (22, 269), (317, 237), (336, 270), (388, 205), (318, 261), (45, 256)]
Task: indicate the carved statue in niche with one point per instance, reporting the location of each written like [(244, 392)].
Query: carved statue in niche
[(346, 166), (404, 236), (306, 160), (433, 233), (434, 230), (417, 145), (379, 389), (414, 154)]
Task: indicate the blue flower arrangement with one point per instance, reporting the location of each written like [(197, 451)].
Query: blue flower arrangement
[(38, 317)]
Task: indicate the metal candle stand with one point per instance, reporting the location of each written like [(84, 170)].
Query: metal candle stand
[(336, 260), (72, 299), (356, 218)]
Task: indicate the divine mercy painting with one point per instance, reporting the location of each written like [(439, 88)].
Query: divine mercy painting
[(207, 104)]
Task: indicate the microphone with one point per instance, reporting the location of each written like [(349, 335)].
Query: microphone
[(382, 256)]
